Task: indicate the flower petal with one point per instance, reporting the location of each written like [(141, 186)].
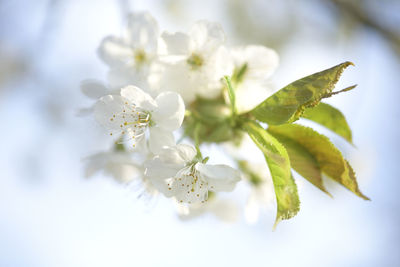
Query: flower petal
[(138, 97), (261, 61), (93, 89), (219, 177), (114, 51), (175, 155), (170, 111), (160, 138), (159, 174), (142, 31), (225, 210), (251, 93), (175, 76), (186, 190), (119, 77), (186, 152), (108, 111), (221, 63), (162, 185), (157, 169), (252, 209), (208, 83), (206, 36), (175, 43), (119, 165)]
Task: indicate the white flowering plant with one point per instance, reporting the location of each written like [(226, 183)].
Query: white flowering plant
[(192, 85)]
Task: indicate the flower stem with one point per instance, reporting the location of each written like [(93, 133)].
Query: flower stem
[(197, 141), (232, 96)]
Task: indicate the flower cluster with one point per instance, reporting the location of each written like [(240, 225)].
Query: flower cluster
[(168, 94), (162, 85)]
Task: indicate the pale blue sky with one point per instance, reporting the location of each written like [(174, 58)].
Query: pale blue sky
[(51, 216)]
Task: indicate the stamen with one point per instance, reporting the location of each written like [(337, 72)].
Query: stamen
[(195, 61), (188, 182), (132, 122), (140, 56)]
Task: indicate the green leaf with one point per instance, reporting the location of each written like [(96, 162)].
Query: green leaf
[(302, 161), (331, 118), (232, 95), (329, 158), (289, 103), (279, 165), (214, 117)]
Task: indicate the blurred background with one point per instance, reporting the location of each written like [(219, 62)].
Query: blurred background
[(50, 215)]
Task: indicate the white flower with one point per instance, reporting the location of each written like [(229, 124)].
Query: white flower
[(133, 112), (131, 55), (223, 209), (194, 63), (117, 164), (125, 167), (261, 198), (262, 194), (119, 77), (176, 173), (94, 89), (254, 64)]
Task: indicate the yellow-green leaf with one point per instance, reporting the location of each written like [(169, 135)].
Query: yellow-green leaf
[(302, 161), (329, 158), (288, 104), (279, 165), (331, 118)]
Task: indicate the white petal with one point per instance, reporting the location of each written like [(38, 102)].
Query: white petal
[(221, 63), (138, 97), (159, 173), (157, 169), (108, 111), (250, 93), (119, 165), (186, 212), (162, 185), (123, 173), (206, 36), (119, 77), (173, 155), (225, 210), (115, 51), (175, 76), (176, 43), (170, 111), (261, 61), (209, 82), (186, 152), (119, 116), (142, 31), (186, 190), (205, 85), (219, 177), (94, 163), (93, 89), (160, 138), (252, 209)]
